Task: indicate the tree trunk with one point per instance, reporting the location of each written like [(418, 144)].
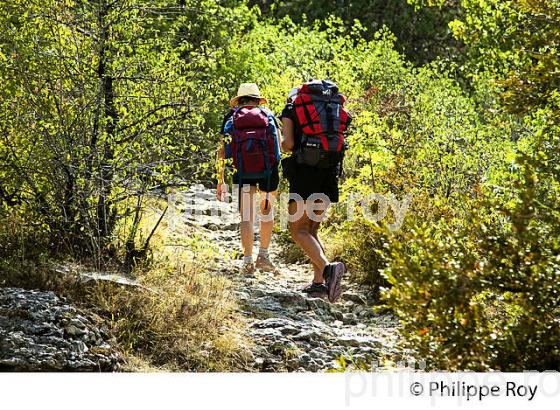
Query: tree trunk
[(105, 216)]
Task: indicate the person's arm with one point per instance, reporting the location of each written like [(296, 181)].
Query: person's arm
[(287, 134), (220, 161), (221, 188)]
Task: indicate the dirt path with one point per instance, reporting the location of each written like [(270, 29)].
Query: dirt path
[(291, 331)]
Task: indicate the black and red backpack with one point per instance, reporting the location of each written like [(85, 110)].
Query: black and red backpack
[(323, 120)]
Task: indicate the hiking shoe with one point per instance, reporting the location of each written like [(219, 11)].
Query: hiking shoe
[(333, 276), (315, 289), (265, 264), (247, 269)]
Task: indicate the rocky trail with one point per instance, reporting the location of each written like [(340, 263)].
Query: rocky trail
[(285, 329), (291, 331)]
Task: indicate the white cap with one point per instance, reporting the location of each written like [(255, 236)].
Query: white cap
[(293, 92)]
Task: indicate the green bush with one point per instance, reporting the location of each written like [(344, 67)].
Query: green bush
[(484, 294), (358, 245)]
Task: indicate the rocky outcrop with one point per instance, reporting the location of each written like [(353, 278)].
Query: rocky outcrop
[(40, 332), (84, 277)]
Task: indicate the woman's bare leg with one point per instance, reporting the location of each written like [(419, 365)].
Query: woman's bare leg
[(314, 232), (301, 231), (247, 210), (267, 218)]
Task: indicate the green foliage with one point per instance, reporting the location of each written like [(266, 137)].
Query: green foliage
[(358, 244), (106, 104), (517, 41), (422, 34), (289, 251), (483, 295), (100, 106), (478, 289)]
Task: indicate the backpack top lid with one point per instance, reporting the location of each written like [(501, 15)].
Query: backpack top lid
[(250, 116), (322, 87), (322, 90)]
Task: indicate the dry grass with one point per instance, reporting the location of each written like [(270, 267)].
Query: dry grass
[(184, 318), (184, 322), (188, 318)]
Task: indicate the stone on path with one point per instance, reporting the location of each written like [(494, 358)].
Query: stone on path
[(290, 331), (40, 332)]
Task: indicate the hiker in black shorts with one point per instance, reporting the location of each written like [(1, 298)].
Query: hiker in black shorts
[(314, 120), (250, 139)]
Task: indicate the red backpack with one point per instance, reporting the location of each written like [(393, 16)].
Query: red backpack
[(323, 120), (253, 147)]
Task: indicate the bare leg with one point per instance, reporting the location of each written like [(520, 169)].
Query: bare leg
[(267, 218), (247, 210), (317, 274), (314, 232), (301, 234)]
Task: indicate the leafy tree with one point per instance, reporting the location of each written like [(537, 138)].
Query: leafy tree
[(100, 106), (517, 41), (484, 294), (422, 34)]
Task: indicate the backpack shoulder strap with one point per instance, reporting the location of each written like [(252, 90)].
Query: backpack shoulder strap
[(271, 114), (228, 115), (268, 114), (235, 110)]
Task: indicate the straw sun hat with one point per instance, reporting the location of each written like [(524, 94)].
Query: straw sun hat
[(248, 90)]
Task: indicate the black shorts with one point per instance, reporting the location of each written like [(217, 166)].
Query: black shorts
[(305, 181), (264, 184)]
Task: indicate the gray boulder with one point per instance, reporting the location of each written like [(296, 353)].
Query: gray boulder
[(39, 332)]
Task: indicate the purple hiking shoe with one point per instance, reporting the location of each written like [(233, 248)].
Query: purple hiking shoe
[(333, 277)]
